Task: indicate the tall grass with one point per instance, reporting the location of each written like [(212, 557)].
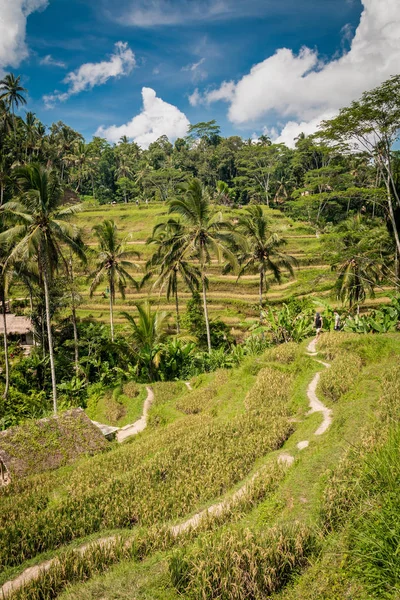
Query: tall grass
[(240, 564), (164, 475)]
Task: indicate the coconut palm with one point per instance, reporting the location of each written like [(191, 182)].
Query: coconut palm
[(41, 229), (31, 133), (360, 258), (169, 264), (4, 274), (4, 178), (204, 234), (12, 93), (112, 264), (148, 331), (260, 250)]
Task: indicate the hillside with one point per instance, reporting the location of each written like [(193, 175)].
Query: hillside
[(235, 302), (289, 520)]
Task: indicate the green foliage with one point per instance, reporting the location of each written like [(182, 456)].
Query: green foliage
[(157, 479)]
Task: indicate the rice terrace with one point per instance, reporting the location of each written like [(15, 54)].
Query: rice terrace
[(200, 300)]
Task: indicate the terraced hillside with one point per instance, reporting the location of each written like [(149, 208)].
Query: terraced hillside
[(234, 490), (235, 302)]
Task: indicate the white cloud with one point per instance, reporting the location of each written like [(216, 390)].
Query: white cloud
[(153, 13), (225, 92), (302, 89), (197, 73), (49, 61), (121, 62), (196, 98), (13, 17), (156, 119)]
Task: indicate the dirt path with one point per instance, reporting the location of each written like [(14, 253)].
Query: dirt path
[(215, 510), (140, 425), (315, 404)]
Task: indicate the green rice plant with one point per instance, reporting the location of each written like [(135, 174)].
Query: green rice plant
[(241, 564), (164, 475), (131, 389), (271, 393), (284, 353), (83, 563), (197, 400), (341, 376), (375, 535)]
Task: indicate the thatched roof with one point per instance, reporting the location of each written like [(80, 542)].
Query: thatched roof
[(16, 325), (46, 444)]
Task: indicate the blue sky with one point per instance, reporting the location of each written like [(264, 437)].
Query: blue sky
[(203, 60)]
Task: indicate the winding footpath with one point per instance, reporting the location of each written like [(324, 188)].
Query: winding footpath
[(215, 510), (129, 430)]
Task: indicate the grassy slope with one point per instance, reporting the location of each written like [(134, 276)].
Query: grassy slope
[(300, 494), (234, 302)]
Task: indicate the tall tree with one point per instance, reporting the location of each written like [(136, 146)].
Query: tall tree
[(204, 234), (260, 250), (169, 264), (112, 264), (358, 252), (12, 93), (41, 229), (148, 330), (372, 124)]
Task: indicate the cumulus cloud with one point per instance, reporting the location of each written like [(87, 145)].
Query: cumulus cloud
[(13, 17), (225, 92), (49, 61), (301, 89), (156, 119), (89, 75)]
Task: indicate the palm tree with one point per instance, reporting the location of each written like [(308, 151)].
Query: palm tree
[(203, 233), (148, 331), (4, 273), (31, 132), (112, 264), (41, 229), (5, 119), (260, 250), (360, 258), (4, 178), (12, 93), (169, 264)]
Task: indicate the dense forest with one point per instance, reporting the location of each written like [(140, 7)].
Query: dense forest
[(343, 182)]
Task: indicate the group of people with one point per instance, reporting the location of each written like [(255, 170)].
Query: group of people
[(319, 322)]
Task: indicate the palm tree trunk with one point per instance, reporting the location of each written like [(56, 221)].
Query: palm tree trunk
[(392, 217), (73, 309), (178, 319), (50, 338), (6, 361), (203, 281), (76, 341), (111, 315), (261, 290)]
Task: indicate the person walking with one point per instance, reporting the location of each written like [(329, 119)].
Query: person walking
[(318, 323)]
